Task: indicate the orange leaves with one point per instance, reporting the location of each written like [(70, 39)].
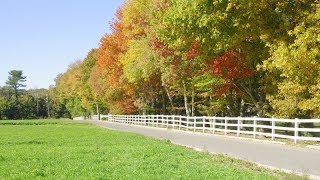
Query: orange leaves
[(193, 51), (231, 66), (110, 69)]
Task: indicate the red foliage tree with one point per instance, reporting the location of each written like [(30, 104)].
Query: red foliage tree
[(232, 68), (112, 46)]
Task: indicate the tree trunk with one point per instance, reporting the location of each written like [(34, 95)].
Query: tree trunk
[(169, 97), (185, 99), (192, 104), (163, 104), (98, 112), (242, 108)]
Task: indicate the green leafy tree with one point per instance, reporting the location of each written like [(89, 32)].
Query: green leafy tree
[(15, 81), (3, 104)]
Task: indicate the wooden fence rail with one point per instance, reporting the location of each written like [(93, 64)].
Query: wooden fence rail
[(255, 126)]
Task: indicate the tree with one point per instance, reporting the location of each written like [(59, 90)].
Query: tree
[(219, 27), (115, 89), (3, 104), (15, 81), (40, 98), (294, 66)]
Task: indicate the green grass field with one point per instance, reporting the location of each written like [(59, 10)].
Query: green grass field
[(63, 149)]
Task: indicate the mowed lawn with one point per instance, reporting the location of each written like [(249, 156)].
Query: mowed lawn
[(63, 149)]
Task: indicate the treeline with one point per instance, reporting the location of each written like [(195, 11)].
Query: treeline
[(18, 103), (202, 57)]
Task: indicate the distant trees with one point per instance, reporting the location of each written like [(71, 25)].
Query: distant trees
[(18, 103)]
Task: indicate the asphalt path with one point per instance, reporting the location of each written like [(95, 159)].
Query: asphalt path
[(294, 159)]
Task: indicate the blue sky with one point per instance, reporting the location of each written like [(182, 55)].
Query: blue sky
[(42, 37)]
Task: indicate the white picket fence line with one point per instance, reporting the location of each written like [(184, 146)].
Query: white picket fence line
[(237, 125)]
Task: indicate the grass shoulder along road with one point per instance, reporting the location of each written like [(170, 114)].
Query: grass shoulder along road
[(64, 149)]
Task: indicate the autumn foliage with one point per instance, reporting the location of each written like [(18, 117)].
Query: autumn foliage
[(231, 66), (232, 58)]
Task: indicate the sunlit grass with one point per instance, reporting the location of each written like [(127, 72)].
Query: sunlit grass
[(63, 149)]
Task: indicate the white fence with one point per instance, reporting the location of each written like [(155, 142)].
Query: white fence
[(81, 118), (256, 126)]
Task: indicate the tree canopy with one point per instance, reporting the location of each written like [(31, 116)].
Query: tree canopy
[(200, 57)]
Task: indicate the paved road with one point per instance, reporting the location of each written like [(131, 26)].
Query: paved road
[(295, 159)]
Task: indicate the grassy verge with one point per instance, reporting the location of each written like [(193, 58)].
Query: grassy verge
[(62, 149)]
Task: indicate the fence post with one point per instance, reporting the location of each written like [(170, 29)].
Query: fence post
[(204, 124), (180, 122), (173, 122), (238, 127), (154, 120), (254, 127), (296, 132), (162, 121), (194, 124), (225, 125), (213, 125), (147, 119), (187, 123), (150, 120), (273, 128)]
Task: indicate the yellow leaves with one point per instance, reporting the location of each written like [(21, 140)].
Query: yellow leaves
[(230, 6), (298, 67), (136, 16), (139, 62)]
